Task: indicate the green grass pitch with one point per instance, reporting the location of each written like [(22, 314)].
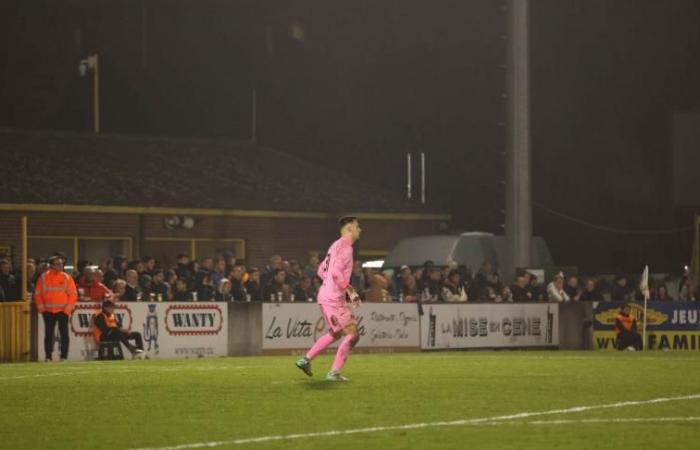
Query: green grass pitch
[(180, 403)]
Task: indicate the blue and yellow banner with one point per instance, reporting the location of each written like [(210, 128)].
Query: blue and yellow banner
[(670, 325)]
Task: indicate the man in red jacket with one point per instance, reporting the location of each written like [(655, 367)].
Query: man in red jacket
[(55, 296), (92, 288)]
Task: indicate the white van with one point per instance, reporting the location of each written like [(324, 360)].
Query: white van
[(466, 249)]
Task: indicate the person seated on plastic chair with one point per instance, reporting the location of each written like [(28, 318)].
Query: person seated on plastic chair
[(106, 329)]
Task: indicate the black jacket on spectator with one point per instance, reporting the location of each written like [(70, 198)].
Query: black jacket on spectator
[(199, 279), (160, 289), (619, 293), (2, 295), (301, 295), (520, 294), (205, 293), (592, 296), (183, 272), (272, 289), (109, 278), (131, 293), (179, 296), (536, 292), (477, 288), (267, 275), (237, 290), (434, 287), (221, 297), (254, 290), (572, 292), (31, 285), (10, 286), (117, 265)]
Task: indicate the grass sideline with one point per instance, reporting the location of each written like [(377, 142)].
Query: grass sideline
[(154, 404)]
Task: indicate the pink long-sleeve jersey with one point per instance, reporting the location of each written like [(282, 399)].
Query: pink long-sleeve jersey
[(335, 271)]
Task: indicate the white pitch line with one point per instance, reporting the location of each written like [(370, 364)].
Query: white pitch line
[(412, 426), (612, 420), (591, 421), (134, 369)]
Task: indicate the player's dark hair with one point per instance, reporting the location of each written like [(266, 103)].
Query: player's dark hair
[(345, 220)]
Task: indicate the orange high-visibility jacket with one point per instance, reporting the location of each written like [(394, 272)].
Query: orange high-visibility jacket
[(628, 323), (109, 320), (55, 292)]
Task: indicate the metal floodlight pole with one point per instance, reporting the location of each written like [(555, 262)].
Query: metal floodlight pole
[(25, 258), (518, 184), (408, 186), (92, 63), (254, 118), (422, 178), (96, 93)]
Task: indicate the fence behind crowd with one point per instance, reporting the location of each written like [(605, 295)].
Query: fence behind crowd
[(15, 331)]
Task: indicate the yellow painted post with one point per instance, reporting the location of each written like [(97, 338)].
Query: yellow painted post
[(25, 258), (75, 253), (15, 325)]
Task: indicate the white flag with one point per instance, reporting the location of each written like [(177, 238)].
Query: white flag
[(644, 283)]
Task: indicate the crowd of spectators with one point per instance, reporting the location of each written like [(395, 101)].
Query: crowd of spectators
[(224, 278), (210, 279)]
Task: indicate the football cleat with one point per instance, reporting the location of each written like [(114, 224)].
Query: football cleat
[(305, 365)]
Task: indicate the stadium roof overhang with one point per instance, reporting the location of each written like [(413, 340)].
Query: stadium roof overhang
[(154, 210)]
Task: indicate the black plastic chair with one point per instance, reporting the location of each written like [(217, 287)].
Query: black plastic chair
[(110, 351)]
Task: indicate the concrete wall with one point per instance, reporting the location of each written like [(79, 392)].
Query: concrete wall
[(245, 329), (576, 326)]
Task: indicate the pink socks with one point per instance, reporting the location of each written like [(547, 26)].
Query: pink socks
[(343, 353), (320, 345)]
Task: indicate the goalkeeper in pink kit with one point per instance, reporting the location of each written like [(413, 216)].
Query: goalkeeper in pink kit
[(335, 271)]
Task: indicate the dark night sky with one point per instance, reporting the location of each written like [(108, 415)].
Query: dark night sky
[(364, 82)]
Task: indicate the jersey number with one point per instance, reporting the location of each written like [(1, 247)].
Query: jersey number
[(328, 263)]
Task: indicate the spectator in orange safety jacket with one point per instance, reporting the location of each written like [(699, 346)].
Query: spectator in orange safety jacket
[(106, 329), (55, 296), (628, 337)]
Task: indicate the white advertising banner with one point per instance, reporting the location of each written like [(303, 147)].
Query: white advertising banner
[(490, 325), (382, 326), (168, 329)]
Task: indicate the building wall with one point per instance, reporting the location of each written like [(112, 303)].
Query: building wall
[(292, 238)]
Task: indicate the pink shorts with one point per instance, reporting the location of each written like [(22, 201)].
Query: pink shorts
[(337, 317)]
